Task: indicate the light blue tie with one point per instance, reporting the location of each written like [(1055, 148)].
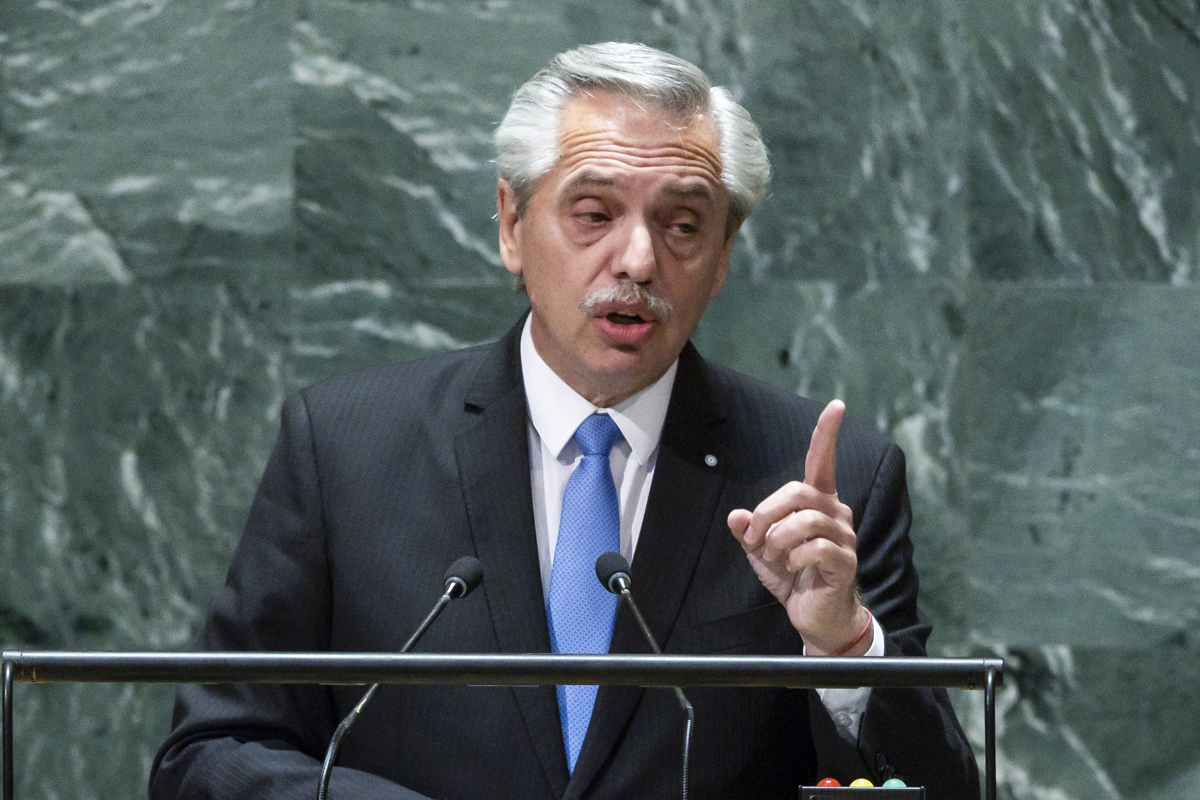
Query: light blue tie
[(580, 610)]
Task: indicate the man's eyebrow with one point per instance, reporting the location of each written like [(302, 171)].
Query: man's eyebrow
[(702, 190), (589, 178)]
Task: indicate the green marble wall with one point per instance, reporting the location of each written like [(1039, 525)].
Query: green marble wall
[(983, 233)]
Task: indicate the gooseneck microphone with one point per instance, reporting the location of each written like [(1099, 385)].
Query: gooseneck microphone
[(461, 579), (613, 571)]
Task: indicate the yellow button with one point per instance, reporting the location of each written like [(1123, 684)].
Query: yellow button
[(862, 782)]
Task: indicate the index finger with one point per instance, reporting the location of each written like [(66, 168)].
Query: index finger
[(820, 465)]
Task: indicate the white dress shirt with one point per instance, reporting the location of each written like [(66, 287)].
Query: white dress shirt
[(555, 411)]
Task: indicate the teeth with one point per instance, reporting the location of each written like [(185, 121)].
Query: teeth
[(624, 319)]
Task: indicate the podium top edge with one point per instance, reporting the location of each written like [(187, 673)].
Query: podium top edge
[(47, 666)]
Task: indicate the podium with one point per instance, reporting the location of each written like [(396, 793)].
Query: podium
[(665, 671)]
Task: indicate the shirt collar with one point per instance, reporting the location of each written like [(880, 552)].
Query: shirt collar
[(556, 409)]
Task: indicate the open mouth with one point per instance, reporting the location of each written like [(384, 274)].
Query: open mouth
[(624, 319)]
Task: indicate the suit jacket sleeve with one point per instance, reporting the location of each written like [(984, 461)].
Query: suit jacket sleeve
[(267, 741), (908, 733)]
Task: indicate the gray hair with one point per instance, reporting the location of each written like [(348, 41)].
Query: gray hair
[(527, 138)]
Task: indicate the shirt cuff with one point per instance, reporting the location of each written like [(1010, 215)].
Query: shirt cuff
[(846, 706)]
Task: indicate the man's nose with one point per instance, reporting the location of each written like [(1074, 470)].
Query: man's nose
[(636, 260)]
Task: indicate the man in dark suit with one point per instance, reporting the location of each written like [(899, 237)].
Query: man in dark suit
[(624, 178)]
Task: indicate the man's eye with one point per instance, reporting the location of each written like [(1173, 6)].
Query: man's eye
[(685, 227), (593, 217)]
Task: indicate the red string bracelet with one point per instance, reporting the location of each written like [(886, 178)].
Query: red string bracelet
[(861, 635)]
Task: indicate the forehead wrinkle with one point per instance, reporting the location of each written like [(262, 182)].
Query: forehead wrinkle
[(578, 142), (619, 157), (606, 142)]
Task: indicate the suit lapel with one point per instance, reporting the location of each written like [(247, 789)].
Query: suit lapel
[(678, 519), (493, 463)]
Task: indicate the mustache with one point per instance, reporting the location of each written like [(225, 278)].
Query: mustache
[(629, 293)]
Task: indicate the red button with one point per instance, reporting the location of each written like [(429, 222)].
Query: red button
[(827, 782)]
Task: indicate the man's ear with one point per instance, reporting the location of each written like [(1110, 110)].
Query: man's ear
[(506, 214)]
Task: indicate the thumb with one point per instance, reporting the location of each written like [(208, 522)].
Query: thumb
[(739, 523)]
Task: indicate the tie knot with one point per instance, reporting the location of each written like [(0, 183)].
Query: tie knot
[(597, 434)]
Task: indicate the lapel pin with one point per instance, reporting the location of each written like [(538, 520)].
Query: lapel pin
[(711, 460)]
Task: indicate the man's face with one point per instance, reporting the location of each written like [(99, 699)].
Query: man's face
[(635, 199)]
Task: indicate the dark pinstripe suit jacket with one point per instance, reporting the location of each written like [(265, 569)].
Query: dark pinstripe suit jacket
[(382, 478)]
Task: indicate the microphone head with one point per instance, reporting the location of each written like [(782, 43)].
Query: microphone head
[(466, 573), (610, 567)]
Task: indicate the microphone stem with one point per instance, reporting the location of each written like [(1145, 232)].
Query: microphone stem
[(343, 728), (433, 614), (683, 701), (687, 737), (641, 621)]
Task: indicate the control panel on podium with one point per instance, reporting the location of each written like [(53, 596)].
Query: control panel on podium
[(862, 789)]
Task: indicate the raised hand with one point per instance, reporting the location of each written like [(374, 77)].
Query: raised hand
[(801, 543)]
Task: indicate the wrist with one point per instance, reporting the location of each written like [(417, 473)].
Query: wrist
[(856, 643)]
